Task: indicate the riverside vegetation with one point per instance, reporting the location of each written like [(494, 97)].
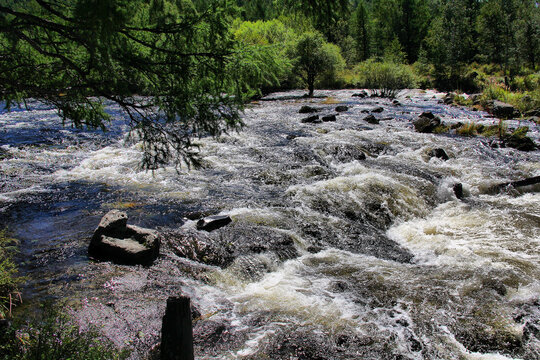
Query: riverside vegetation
[(196, 64)]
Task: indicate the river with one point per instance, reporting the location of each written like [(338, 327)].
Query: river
[(347, 240)]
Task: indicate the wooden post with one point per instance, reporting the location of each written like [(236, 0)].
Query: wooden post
[(177, 330)]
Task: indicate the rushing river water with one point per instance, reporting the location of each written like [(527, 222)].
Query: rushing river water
[(347, 240)]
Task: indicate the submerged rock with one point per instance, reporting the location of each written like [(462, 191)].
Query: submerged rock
[(212, 223), (378, 109), (115, 241)]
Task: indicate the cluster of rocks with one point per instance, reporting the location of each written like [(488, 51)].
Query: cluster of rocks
[(315, 119), (114, 240), (427, 123)]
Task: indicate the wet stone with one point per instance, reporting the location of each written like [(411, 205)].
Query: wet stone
[(120, 243), (311, 120), (306, 109), (212, 223), (328, 118), (378, 109), (342, 108), (439, 153), (371, 119), (426, 124)]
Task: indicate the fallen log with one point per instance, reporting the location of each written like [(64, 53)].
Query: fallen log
[(514, 184)]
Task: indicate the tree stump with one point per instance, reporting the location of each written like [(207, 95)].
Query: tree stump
[(177, 330)]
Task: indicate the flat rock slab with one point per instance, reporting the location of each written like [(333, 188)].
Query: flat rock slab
[(212, 223), (120, 243)]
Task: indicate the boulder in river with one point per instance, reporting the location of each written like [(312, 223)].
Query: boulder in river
[(521, 143), (328, 118), (396, 102), (115, 241), (448, 99), (371, 119), (501, 109), (426, 123), (306, 109), (534, 119), (439, 153), (314, 119), (212, 223), (378, 109), (362, 94), (342, 108), (534, 112)]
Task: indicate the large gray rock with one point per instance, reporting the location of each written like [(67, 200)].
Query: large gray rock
[(426, 123), (120, 243), (502, 110), (342, 108)]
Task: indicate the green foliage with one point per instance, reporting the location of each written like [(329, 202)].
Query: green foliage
[(314, 57), (468, 129), (263, 62), (520, 132), (55, 336), (523, 101), (8, 273), (385, 78)]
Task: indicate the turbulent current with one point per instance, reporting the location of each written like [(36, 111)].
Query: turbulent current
[(347, 240)]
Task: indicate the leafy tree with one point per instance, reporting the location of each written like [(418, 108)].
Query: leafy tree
[(272, 42), (315, 57), (76, 55)]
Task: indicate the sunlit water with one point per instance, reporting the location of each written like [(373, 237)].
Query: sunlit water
[(384, 261)]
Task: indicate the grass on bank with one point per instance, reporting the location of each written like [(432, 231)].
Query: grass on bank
[(54, 335), (8, 274)]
